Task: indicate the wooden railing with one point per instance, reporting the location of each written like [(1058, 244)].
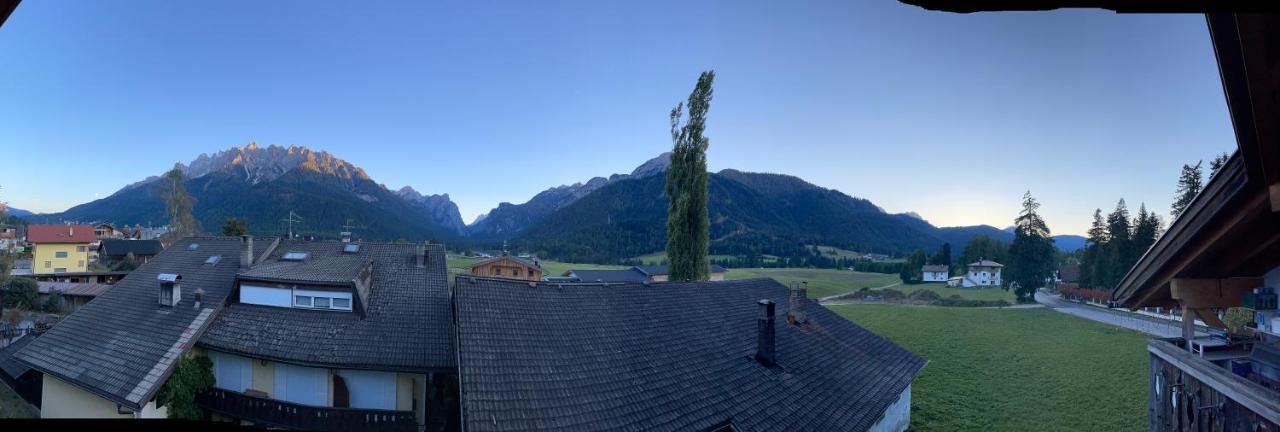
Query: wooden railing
[(272, 412)]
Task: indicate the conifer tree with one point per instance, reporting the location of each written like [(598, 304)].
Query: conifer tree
[(1031, 255), (1189, 185), (1092, 272), (688, 222), (178, 203), (1146, 229), (1115, 255), (1216, 164)]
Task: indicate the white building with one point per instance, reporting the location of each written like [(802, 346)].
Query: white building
[(935, 273), (983, 273)]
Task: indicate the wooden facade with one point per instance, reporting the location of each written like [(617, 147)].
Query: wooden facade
[(1191, 393), (508, 267)]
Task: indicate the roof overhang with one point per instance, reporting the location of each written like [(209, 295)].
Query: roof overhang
[(1232, 228)]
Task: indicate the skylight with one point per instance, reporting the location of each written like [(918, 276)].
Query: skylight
[(193, 246), (351, 248), (294, 256), (213, 260)]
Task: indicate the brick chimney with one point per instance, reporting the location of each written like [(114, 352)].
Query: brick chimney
[(246, 252), (199, 297), (798, 303), (422, 255), (765, 338)]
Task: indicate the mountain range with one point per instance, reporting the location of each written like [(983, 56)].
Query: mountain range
[(603, 219)]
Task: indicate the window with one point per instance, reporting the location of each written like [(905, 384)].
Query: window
[(321, 302), (213, 260), (59, 254), (302, 301), (60, 270), (80, 249), (294, 256), (80, 263), (341, 303), (48, 264), (331, 300)]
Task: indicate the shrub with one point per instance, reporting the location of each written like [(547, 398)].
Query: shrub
[(53, 304), (191, 377), (21, 293)]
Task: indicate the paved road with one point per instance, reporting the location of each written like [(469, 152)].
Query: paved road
[(1149, 325)]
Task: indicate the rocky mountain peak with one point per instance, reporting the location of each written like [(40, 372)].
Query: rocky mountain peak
[(256, 164)]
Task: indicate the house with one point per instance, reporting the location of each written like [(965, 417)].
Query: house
[(60, 248), (509, 267), (955, 281), (112, 251), (341, 336), (107, 231), (658, 273), (16, 374), (74, 294), (9, 240), (983, 273), (935, 273), (90, 277), (743, 355), (1216, 253), (654, 273)]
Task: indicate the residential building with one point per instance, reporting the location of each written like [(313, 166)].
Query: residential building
[(935, 273), (107, 231), (308, 335), (89, 277), (509, 267), (8, 240), (743, 355), (17, 375), (60, 248), (646, 273), (955, 281), (1217, 254), (112, 251), (983, 273)]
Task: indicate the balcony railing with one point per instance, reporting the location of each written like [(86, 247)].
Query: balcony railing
[(272, 412)]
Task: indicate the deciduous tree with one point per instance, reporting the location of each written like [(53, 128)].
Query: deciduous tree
[(178, 204), (688, 222)]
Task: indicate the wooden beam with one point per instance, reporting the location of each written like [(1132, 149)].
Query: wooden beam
[(1211, 318), (1212, 293), (1188, 327), (1274, 189)]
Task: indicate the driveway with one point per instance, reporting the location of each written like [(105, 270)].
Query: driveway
[(1120, 318)]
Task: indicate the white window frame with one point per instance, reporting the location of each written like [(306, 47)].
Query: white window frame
[(328, 297)]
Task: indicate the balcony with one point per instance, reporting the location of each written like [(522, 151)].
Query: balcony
[(1201, 392), (277, 413)]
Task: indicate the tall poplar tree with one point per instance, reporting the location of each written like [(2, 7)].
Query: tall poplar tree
[(688, 221), (1189, 185), (179, 204), (1031, 255)]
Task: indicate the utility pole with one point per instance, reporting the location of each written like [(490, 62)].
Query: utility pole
[(293, 217)]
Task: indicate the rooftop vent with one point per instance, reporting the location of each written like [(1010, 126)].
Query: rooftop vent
[(170, 289), (351, 248), (346, 236), (213, 260), (294, 256)]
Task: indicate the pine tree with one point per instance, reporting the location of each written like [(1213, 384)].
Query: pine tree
[(235, 227), (1146, 229), (1216, 164), (1092, 272), (1188, 187), (688, 223), (943, 257), (1031, 255), (1115, 254)]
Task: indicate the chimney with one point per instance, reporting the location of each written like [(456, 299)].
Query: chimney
[(246, 252), (422, 255), (346, 236), (199, 295), (764, 330), (798, 303)]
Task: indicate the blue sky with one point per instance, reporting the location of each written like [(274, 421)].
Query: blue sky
[(950, 116)]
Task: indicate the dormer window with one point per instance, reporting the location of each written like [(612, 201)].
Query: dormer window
[(170, 289)]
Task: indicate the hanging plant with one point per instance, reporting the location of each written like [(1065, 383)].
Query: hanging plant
[(192, 376)]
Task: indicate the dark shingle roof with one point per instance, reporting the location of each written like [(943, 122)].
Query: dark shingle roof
[(325, 263), (935, 268), (406, 324), (11, 366), (525, 261), (662, 269), (122, 345), (667, 356), (121, 248), (628, 275)]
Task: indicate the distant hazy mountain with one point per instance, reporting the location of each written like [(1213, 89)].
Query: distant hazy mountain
[(14, 211), (264, 184), (509, 219), (749, 212), (1069, 242), (438, 209)]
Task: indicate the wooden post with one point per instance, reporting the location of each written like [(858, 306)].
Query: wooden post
[(1188, 326)]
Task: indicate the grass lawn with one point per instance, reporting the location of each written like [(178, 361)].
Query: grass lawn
[(1015, 369), (13, 407), (822, 282), (657, 258), (994, 293)]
